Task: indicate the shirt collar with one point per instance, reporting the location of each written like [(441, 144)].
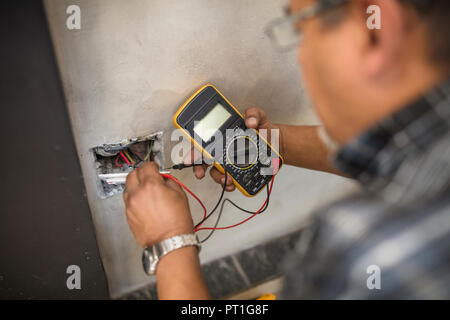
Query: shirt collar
[(375, 155)]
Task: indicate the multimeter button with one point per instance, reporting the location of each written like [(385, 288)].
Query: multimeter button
[(265, 162)]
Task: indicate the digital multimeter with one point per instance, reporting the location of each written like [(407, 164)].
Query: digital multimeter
[(218, 129)]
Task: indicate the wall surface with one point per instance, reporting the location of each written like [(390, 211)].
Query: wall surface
[(132, 65)]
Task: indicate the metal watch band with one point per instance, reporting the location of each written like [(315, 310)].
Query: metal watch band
[(152, 255)]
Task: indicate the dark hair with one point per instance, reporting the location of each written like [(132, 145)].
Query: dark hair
[(437, 21)]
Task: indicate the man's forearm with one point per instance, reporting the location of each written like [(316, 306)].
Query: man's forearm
[(302, 147), (179, 276)]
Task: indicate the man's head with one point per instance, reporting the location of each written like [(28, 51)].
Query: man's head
[(357, 76)]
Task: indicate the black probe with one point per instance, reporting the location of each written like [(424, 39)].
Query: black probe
[(182, 166)]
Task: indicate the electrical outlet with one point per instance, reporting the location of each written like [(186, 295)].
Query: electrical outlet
[(114, 161)]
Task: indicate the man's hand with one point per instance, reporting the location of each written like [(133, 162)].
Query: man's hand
[(255, 118), (157, 209)]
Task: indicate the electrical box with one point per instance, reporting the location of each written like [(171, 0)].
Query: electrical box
[(114, 161)]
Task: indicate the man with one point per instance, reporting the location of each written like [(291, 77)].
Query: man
[(383, 97)]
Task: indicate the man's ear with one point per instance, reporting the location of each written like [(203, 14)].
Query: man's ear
[(384, 44)]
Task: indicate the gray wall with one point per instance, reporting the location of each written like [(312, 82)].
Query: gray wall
[(132, 65)]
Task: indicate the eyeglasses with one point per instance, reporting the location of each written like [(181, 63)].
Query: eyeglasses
[(284, 31)]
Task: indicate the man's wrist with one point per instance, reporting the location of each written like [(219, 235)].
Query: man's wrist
[(175, 256), (153, 254), (281, 143), (179, 276), (169, 234)]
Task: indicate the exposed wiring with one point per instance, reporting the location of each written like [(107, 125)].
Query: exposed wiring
[(139, 156), (149, 151), (119, 165), (124, 158), (128, 156)]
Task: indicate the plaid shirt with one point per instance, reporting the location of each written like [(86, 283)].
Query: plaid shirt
[(397, 226)]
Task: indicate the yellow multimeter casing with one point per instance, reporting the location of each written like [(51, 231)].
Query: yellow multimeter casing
[(247, 157)]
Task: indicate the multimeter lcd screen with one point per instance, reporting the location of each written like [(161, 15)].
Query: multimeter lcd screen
[(213, 120)]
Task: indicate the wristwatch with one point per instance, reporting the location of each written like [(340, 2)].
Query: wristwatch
[(152, 255)]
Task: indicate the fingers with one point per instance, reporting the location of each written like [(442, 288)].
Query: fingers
[(230, 188), (172, 184), (125, 197), (220, 179), (255, 118), (148, 172), (216, 175), (131, 184), (200, 171)]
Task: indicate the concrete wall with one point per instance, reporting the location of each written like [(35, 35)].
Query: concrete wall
[(132, 65)]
